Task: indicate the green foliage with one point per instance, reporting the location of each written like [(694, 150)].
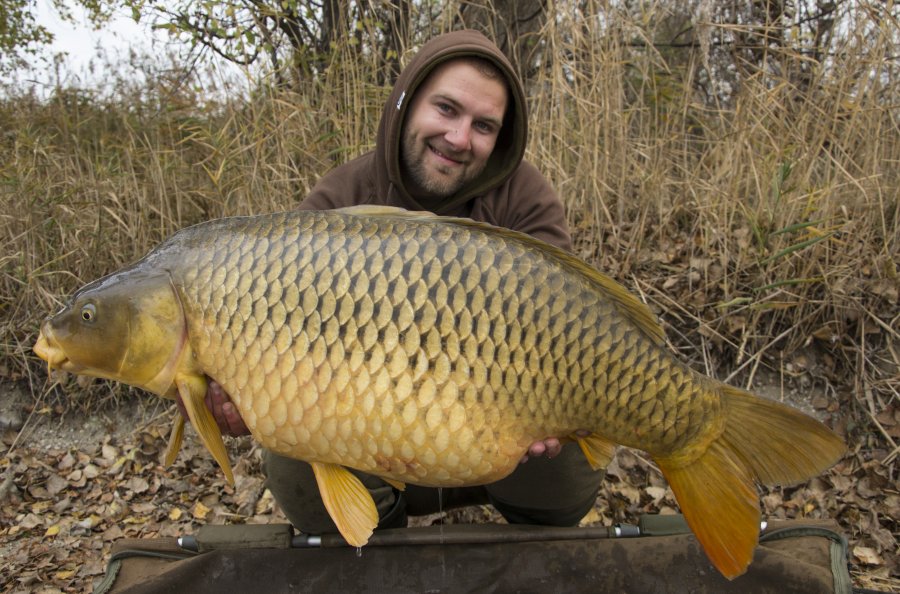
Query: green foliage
[(293, 40), (21, 36)]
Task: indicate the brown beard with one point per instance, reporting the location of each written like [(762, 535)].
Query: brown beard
[(414, 167)]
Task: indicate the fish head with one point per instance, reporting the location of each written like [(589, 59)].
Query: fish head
[(128, 327)]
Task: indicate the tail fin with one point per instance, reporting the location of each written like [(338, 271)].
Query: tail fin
[(763, 441)]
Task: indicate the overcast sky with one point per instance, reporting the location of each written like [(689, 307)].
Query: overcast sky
[(84, 46)]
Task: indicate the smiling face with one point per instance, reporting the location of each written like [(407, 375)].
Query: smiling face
[(451, 128)]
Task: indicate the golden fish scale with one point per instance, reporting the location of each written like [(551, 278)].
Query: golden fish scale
[(427, 352)]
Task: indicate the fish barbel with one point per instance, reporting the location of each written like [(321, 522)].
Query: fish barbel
[(431, 351)]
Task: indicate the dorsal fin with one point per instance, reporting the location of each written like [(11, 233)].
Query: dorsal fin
[(381, 210), (629, 305)]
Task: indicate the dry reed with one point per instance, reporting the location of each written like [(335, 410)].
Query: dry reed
[(759, 223)]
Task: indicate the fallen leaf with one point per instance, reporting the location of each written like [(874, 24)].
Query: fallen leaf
[(41, 506), (55, 484), (30, 521), (265, 504), (62, 505), (136, 484), (144, 507), (67, 462), (109, 454), (77, 479), (135, 520), (867, 555), (593, 517), (200, 511), (89, 523), (38, 492), (112, 533), (657, 493), (630, 493)]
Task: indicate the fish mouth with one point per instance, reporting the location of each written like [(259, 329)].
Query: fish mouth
[(48, 349)]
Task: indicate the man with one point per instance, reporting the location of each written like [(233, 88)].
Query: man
[(451, 140)]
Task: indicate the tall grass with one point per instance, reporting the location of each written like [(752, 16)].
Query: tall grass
[(760, 223), (776, 210)]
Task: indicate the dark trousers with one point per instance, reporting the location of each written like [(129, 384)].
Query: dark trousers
[(554, 492)]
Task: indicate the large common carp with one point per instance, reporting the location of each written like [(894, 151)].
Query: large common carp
[(430, 351)]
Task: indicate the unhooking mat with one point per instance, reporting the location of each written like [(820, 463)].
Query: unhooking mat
[(658, 556)]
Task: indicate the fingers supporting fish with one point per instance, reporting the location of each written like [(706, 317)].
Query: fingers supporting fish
[(224, 411), (549, 447)]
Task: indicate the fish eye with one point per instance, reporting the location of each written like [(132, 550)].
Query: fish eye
[(88, 312)]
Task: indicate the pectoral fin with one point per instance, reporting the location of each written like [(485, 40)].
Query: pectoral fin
[(348, 502), (598, 450), (174, 441), (192, 389)]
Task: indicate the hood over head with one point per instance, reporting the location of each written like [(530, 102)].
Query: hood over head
[(511, 141)]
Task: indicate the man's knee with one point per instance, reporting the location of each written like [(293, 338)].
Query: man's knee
[(553, 492)]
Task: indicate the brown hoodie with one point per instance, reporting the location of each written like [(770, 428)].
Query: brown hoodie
[(509, 193)]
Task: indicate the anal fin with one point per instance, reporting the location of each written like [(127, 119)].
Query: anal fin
[(599, 451), (399, 485), (348, 502)]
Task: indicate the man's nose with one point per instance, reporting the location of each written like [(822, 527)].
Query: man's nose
[(460, 137)]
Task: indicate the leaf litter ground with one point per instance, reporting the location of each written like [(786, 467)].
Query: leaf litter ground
[(70, 486)]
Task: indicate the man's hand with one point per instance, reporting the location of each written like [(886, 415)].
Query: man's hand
[(223, 410), (550, 447)]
